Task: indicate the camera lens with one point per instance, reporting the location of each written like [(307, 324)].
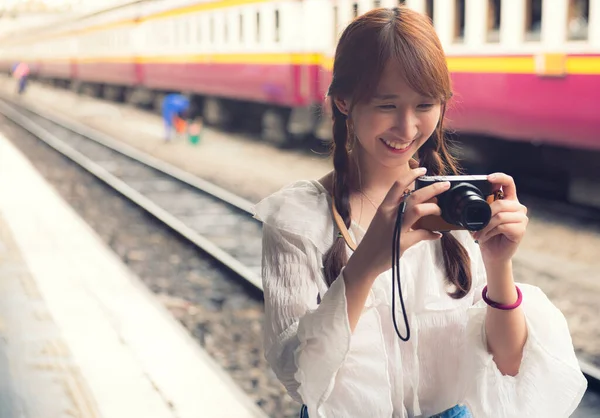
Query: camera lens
[(465, 206), (475, 213)]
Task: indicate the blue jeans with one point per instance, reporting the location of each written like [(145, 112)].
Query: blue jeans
[(22, 84), (458, 411)]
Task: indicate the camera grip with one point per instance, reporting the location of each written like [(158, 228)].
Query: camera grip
[(438, 224)]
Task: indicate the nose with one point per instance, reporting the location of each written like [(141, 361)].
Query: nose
[(406, 125)]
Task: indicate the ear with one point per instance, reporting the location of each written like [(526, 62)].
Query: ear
[(342, 105)]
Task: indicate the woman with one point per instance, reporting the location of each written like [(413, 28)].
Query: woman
[(480, 345)]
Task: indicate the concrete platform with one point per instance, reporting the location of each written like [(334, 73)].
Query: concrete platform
[(80, 335)]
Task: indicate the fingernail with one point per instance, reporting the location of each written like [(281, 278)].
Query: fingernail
[(445, 184), (422, 170), (492, 176)]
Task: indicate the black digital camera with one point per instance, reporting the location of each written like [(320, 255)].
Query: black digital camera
[(465, 205)]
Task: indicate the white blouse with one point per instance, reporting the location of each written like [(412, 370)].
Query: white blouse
[(371, 372)]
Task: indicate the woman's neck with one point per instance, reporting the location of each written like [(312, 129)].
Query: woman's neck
[(372, 178)]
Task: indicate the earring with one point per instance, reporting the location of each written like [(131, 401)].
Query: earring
[(351, 135)]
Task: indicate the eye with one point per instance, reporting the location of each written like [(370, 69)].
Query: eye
[(387, 106), (425, 106)]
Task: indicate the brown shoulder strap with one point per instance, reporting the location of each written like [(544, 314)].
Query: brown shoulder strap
[(342, 227)]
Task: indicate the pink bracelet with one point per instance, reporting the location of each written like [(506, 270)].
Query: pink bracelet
[(499, 305)]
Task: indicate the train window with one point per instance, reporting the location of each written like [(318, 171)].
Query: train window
[(199, 28), (225, 29), (258, 27), (459, 21), (376, 4), (577, 23), (355, 10), (241, 28), (429, 9), (160, 35), (493, 25), (401, 2), (336, 24), (168, 36), (157, 36), (211, 29), (276, 25), (176, 32), (186, 31), (533, 20)]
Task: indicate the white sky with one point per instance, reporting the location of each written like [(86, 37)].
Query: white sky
[(8, 4)]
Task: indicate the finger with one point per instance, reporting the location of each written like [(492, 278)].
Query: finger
[(506, 182), (500, 218), (418, 235), (429, 192), (504, 218), (507, 206), (513, 232), (416, 212), (393, 196)]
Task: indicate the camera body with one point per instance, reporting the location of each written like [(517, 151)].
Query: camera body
[(465, 205)]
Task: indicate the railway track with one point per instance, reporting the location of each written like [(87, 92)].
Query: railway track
[(216, 221)]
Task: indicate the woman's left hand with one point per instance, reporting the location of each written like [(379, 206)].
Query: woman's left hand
[(500, 239)]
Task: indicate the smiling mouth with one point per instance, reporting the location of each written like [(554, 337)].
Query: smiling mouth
[(399, 146)]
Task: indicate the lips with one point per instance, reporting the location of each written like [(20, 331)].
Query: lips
[(396, 147)]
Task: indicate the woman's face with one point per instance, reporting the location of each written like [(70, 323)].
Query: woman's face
[(396, 122)]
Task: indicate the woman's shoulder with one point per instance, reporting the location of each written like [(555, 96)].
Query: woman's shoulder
[(305, 195), (302, 208)]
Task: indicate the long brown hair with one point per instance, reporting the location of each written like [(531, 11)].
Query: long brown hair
[(364, 49)]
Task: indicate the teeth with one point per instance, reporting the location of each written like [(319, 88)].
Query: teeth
[(397, 145)]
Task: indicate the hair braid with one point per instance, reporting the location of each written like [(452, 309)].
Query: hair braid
[(336, 257)]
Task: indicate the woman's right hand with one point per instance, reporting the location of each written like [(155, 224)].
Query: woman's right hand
[(375, 249)]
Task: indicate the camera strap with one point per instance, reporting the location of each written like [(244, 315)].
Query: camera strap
[(343, 233), (342, 227), (396, 269)]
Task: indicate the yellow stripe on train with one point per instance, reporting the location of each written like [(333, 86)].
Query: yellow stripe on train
[(551, 64)]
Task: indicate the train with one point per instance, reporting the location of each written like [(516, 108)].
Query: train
[(525, 73)]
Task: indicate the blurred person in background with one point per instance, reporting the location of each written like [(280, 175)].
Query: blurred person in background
[(175, 111), (482, 345), (21, 74)]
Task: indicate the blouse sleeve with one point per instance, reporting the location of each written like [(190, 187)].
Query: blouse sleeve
[(305, 341), (549, 382), (308, 342)]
